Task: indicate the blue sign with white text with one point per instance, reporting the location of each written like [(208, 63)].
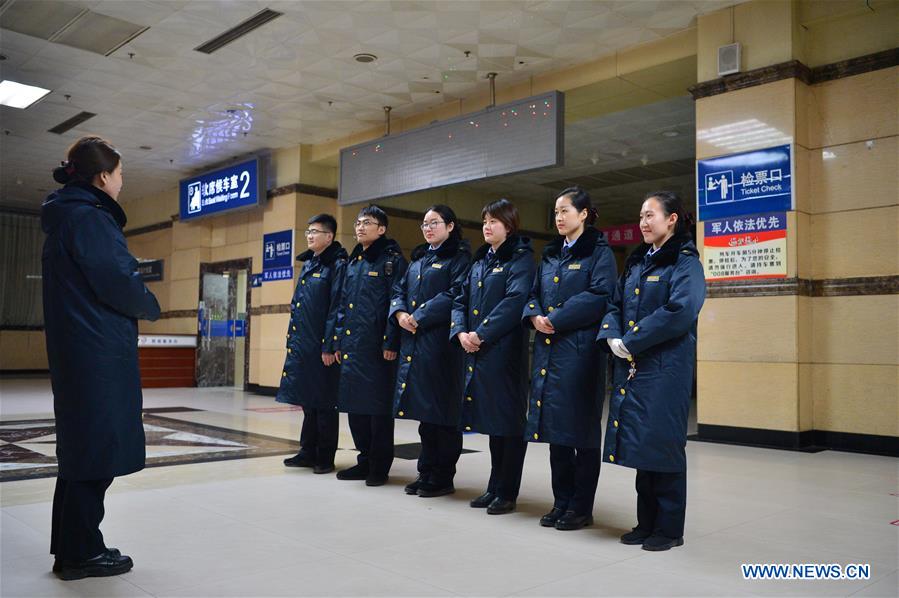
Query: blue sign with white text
[(745, 183), (277, 274), (277, 250), (232, 188)]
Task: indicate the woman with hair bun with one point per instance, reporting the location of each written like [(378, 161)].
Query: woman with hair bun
[(93, 296), (574, 283), (651, 330)]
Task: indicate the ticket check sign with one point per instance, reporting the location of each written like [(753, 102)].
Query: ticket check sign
[(745, 183)]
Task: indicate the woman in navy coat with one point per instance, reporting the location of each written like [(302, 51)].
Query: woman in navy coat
[(429, 381), (367, 342), (651, 329), (574, 283), (310, 372), (93, 296), (487, 324)]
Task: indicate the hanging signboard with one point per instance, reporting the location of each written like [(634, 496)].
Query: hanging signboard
[(746, 247), (745, 183), (224, 190)]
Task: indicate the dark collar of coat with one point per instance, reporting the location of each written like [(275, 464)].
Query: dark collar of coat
[(327, 257), (667, 253), (104, 202), (449, 248), (506, 250), (375, 250), (582, 248)]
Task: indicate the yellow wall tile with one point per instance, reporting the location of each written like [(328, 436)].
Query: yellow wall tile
[(754, 329), (855, 243), (806, 397), (151, 246), (856, 329), (858, 399), (272, 329), (854, 176), (748, 395), (23, 350), (765, 29), (713, 31), (169, 326), (255, 333), (801, 253), (270, 367), (185, 263), (190, 235), (278, 292), (279, 213), (184, 294), (837, 30), (720, 119), (854, 108), (680, 45)]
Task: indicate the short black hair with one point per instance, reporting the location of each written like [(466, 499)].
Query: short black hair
[(327, 220), (376, 213), (449, 217), (672, 204), (504, 211)]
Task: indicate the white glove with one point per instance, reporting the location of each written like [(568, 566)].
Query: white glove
[(618, 348)]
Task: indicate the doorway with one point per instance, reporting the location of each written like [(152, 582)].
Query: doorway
[(223, 326)]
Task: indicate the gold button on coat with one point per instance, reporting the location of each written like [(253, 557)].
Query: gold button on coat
[(470, 369), (615, 423), (403, 385), (468, 428), (475, 312), (539, 403), (351, 306), (536, 436), (630, 323), (532, 306), (636, 291), (347, 332), (555, 279), (612, 458), (480, 284), (542, 372), (622, 391), (636, 328), (401, 413), (468, 399), (413, 304), (550, 308), (408, 358), (605, 325), (547, 341), (345, 356)]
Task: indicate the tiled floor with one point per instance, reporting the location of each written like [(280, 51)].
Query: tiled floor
[(251, 527)]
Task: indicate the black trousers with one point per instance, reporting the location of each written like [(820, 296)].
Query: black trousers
[(506, 461), (440, 450), (575, 474), (661, 502), (77, 512), (373, 437), (318, 437)]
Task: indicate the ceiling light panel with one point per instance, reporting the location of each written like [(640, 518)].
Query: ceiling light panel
[(19, 95)]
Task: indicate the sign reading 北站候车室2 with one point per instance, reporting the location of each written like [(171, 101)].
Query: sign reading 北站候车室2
[(232, 188), (745, 183), (277, 256)]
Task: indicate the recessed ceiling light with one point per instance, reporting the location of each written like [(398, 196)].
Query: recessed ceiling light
[(18, 95), (670, 133), (365, 58)]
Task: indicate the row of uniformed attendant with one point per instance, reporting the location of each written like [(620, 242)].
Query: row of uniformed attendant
[(477, 380)]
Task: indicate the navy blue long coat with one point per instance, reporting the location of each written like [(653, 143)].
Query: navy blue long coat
[(93, 297), (364, 331), (305, 380), (429, 374), (654, 312), (568, 373), (492, 299)]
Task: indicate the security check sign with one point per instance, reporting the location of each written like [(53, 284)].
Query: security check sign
[(745, 183)]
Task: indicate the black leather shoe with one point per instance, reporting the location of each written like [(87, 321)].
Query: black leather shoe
[(500, 506), (57, 563), (376, 479), (635, 536), (571, 520), (301, 459), (656, 543), (104, 565), (549, 520), (429, 490), (483, 501), (356, 472), (412, 487), (323, 468)]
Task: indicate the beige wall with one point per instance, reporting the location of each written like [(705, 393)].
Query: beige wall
[(23, 350), (798, 363)]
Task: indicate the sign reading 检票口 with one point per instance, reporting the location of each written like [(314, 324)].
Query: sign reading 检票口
[(745, 183), (746, 247)]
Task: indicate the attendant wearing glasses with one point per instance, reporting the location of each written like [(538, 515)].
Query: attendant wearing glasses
[(366, 343), (429, 385), (487, 323), (310, 375), (573, 286)]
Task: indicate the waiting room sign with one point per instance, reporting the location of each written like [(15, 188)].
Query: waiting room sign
[(745, 183), (236, 187)]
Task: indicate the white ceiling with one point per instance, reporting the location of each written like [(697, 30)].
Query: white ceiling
[(294, 79)]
